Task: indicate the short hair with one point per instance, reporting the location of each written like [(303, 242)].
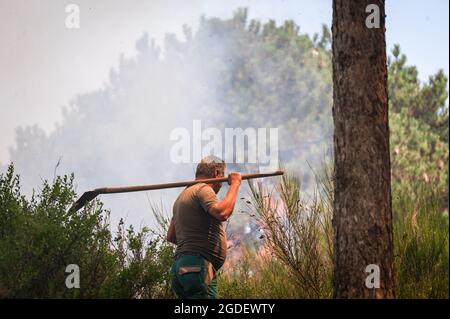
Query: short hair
[(209, 165)]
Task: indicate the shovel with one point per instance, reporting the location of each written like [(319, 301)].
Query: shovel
[(90, 195)]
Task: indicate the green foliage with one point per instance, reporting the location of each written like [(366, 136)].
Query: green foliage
[(278, 77), (425, 102), (418, 127), (417, 154), (144, 266), (39, 239)]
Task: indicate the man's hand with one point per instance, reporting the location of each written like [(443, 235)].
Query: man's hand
[(234, 178)]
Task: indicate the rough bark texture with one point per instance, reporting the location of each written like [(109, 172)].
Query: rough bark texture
[(362, 218)]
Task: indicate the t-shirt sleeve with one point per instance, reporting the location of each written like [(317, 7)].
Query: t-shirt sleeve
[(207, 197)]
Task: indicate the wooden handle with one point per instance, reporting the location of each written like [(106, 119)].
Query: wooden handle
[(127, 189), (90, 195)]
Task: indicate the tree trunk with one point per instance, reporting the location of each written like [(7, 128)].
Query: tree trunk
[(362, 220)]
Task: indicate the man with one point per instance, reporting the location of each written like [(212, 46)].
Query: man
[(197, 230)]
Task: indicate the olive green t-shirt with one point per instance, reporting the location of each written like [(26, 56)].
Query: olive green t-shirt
[(197, 230)]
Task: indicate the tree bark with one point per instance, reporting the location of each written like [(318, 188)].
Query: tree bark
[(362, 220)]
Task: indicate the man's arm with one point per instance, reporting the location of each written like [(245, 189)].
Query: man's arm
[(222, 210), (171, 236)]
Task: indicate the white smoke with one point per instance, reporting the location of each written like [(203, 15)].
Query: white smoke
[(120, 134)]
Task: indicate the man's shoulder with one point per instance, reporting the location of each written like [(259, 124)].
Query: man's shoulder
[(197, 188), (204, 189), (191, 191)]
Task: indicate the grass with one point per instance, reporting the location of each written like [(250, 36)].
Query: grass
[(421, 230), (256, 276)]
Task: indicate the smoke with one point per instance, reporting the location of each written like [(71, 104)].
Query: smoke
[(120, 134)]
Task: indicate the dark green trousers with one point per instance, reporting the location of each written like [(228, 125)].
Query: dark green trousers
[(193, 277)]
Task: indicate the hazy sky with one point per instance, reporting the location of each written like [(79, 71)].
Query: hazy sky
[(44, 65)]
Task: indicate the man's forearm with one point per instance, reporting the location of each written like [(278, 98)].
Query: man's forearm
[(231, 198), (224, 208)]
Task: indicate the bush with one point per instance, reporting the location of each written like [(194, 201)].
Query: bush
[(39, 239), (298, 233)]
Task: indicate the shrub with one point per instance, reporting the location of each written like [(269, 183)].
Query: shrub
[(39, 238)]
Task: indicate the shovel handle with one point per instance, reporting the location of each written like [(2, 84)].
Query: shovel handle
[(127, 189), (90, 195)]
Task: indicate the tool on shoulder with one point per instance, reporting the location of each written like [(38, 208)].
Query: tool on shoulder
[(90, 195)]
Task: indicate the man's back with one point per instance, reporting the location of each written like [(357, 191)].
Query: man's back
[(196, 230)]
